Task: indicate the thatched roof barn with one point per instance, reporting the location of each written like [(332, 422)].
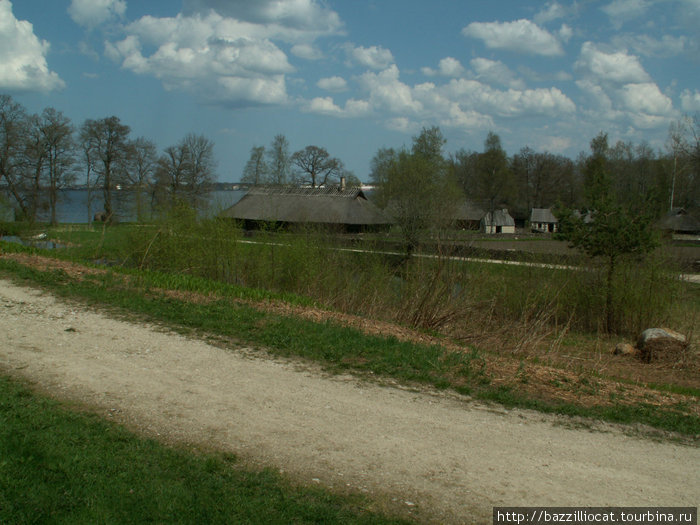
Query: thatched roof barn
[(468, 215), (348, 209), (678, 220), (543, 220), (498, 221)]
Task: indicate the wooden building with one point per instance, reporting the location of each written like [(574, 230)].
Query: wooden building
[(542, 220), (346, 209)]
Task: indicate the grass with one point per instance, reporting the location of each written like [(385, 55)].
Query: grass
[(59, 465), (336, 347)]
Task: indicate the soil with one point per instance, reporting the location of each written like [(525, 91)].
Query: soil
[(437, 456)]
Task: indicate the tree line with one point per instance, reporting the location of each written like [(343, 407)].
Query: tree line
[(40, 154), (276, 166), (531, 179)]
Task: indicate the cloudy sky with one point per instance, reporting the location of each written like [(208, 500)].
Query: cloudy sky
[(357, 75)]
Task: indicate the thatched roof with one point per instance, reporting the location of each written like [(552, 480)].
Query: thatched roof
[(295, 205), (678, 220), (542, 215), (498, 218), (469, 211)]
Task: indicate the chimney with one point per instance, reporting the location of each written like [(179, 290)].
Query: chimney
[(342, 183)]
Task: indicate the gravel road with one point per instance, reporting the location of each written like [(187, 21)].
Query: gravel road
[(438, 456)]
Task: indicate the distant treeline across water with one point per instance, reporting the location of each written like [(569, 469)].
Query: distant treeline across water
[(73, 205)]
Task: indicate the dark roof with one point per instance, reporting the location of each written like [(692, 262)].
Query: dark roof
[(328, 205), (678, 220), (542, 215)]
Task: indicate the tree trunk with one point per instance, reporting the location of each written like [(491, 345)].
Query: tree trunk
[(609, 317)]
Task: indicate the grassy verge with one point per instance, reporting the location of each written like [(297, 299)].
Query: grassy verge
[(63, 466), (334, 346)]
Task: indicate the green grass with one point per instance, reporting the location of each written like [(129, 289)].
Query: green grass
[(65, 466), (336, 347)]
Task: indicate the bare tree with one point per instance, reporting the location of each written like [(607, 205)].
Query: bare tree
[(186, 171), (317, 166), (35, 153), (684, 145), (142, 166), (13, 126), (57, 131), (107, 141), (256, 169), (278, 160)]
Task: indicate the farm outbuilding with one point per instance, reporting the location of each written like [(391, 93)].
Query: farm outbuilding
[(498, 221), (468, 216), (347, 209), (678, 221), (543, 220)]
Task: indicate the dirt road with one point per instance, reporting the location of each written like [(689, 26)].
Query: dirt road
[(440, 456)]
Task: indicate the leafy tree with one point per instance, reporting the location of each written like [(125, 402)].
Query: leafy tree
[(493, 175), (614, 229), (256, 169), (316, 166), (419, 190), (380, 168)]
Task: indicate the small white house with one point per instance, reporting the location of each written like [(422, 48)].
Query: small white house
[(543, 220), (498, 221)]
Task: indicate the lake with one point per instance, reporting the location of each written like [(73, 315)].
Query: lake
[(73, 205)]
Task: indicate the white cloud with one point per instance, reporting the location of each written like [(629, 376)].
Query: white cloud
[(617, 67), (646, 98), (447, 67), (621, 11), (307, 51), (92, 13), (222, 60), (620, 89), (552, 11), (333, 84), (326, 106), (512, 102), (521, 36), (493, 71), (646, 45), (373, 57), (386, 91), (292, 17), (690, 100), (565, 33), (557, 144), (23, 63), (461, 103)]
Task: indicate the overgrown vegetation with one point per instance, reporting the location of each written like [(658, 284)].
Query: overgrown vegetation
[(477, 320), (430, 291)]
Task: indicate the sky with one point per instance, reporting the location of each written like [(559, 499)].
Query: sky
[(354, 76)]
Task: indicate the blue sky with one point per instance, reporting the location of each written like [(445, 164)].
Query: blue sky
[(354, 76)]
